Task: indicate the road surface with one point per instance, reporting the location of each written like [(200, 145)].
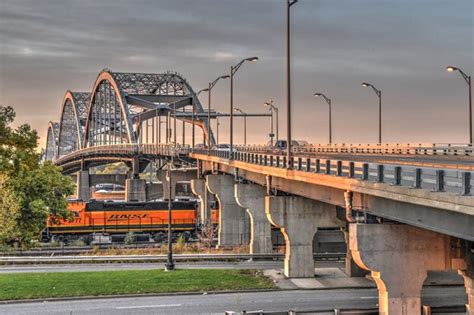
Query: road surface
[(219, 303)]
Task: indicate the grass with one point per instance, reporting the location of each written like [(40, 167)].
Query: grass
[(69, 284)]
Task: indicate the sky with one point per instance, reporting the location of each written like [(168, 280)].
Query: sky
[(400, 46)]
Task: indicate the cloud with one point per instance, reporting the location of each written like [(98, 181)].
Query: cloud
[(49, 46)]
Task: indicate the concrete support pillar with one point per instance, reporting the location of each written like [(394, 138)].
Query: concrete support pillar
[(468, 275), (351, 267), (252, 198), (198, 187), (399, 257), (177, 175), (234, 222), (135, 190), (83, 190), (469, 284), (299, 219)]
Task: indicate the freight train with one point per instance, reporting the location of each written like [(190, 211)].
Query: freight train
[(119, 218)]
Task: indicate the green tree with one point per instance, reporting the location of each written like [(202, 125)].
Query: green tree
[(30, 191)]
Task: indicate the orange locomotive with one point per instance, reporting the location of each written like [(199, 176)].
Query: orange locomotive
[(122, 217)]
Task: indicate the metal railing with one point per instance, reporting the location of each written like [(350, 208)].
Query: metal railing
[(368, 148), (439, 180), (426, 310), (128, 149)]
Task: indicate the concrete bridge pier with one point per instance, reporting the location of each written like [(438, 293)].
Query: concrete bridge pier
[(468, 275), (252, 198), (469, 284), (83, 190), (177, 175), (198, 187), (399, 257), (135, 190), (234, 223), (299, 219)]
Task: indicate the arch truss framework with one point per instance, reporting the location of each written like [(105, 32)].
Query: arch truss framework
[(120, 108)]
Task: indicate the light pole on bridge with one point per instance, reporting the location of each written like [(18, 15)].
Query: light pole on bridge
[(289, 3), (233, 70), (273, 108), (328, 100), (209, 90), (468, 80), (193, 136), (245, 123), (379, 94)]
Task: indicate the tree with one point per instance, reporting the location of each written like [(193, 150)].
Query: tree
[(30, 191)]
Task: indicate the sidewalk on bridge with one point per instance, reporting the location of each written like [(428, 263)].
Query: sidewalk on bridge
[(335, 278)]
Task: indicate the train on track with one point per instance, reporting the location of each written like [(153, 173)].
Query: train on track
[(119, 218)]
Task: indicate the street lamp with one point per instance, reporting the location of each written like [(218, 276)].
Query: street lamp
[(328, 100), (273, 108), (379, 94), (233, 70), (245, 123), (209, 90), (169, 266), (194, 114), (289, 3), (467, 78)]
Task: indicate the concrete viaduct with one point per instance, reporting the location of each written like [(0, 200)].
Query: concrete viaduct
[(405, 209)]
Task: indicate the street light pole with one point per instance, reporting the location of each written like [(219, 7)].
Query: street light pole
[(379, 94), (468, 80), (193, 117), (288, 83), (209, 90), (217, 129), (245, 123), (328, 100), (169, 266), (175, 132), (271, 128), (233, 70), (273, 108)]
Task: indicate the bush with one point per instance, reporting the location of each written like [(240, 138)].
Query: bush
[(129, 238), (180, 244)]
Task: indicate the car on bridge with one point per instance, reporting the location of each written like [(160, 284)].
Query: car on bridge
[(281, 145)]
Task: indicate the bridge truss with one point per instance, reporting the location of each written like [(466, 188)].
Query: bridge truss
[(122, 108)]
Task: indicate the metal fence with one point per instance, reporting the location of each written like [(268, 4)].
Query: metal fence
[(426, 310)]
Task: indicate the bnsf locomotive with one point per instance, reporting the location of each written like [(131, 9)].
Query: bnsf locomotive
[(119, 218)]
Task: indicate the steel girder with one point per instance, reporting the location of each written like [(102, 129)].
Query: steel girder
[(113, 118), (51, 141), (72, 122)]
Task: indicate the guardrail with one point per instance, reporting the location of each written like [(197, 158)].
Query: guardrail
[(370, 148), (128, 149), (437, 180), (375, 149), (11, 260), (426, 310)]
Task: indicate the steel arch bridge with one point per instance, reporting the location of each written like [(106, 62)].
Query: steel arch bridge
[(118, 110)]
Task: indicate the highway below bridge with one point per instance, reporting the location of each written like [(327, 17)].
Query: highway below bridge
[(202, 303), (404, 209)]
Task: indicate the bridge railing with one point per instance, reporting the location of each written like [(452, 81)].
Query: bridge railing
[(127, 149), (368, 148), (439, 180)]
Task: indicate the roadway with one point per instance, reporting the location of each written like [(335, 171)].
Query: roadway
[(218, 304), (431, 161), (262, 265)]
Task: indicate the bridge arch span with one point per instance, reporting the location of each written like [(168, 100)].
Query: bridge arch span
[(72, 122), (50, 153), (107, 96), (121, 102)]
